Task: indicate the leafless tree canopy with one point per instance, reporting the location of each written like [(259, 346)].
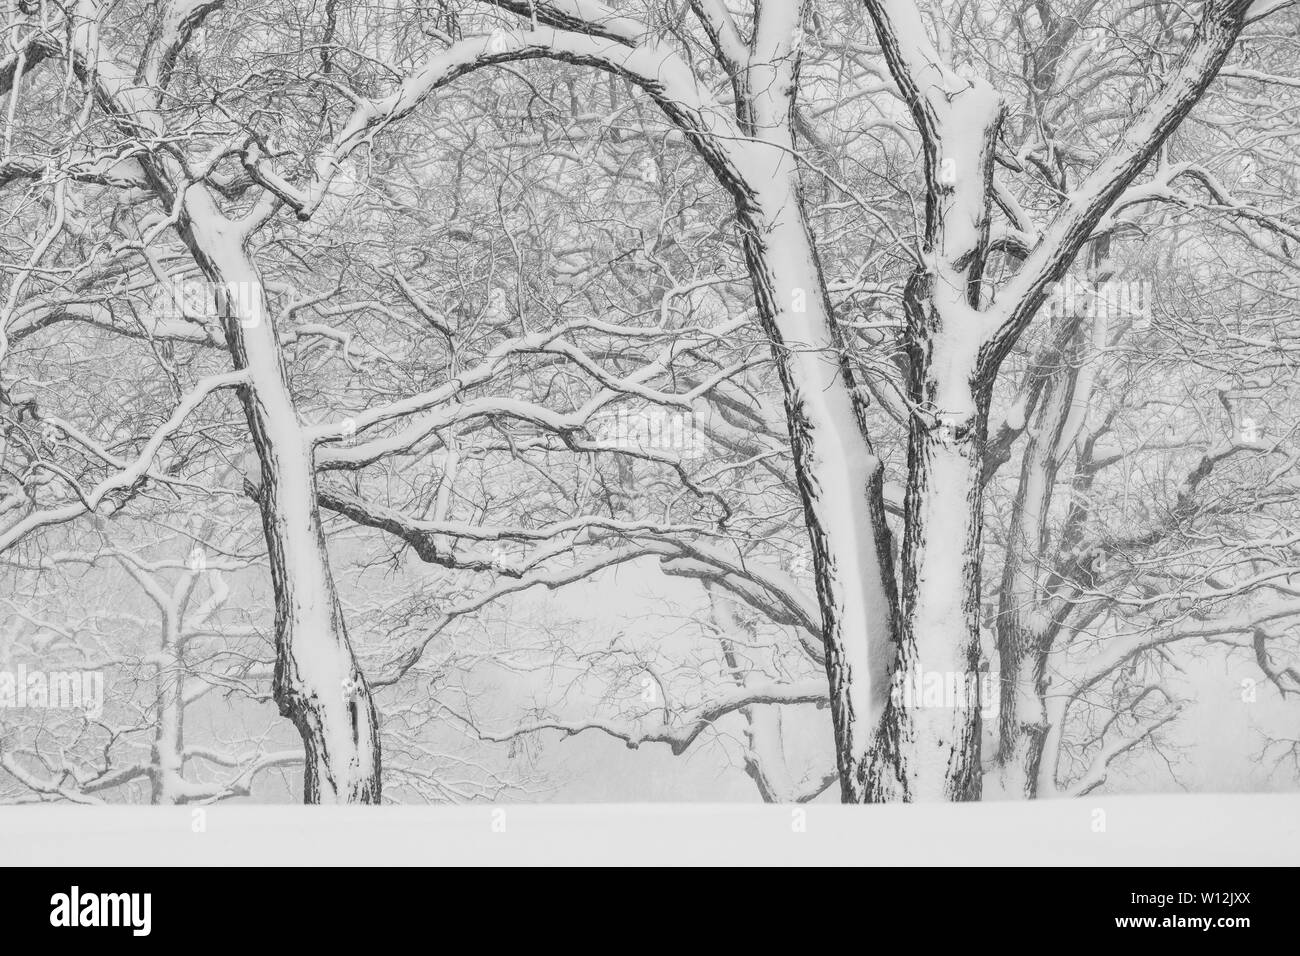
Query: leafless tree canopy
[(434, 402)]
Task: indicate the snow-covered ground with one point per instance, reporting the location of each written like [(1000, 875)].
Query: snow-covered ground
[(1258, 829)]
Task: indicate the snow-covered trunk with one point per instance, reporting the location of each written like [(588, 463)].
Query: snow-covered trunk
[(930, 741), (1022, 626), (764, 756), (1030, 617), (929, 744), (839, 476), (765, 761), (168, 757), (317, 682), (1022, 723), (1056, 708)]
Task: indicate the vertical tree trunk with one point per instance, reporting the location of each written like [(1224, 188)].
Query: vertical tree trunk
[(928, 749), (840, 478), (317, 682), (764, 757), (1026, 624), (1022, 726), (1022, 638), (168, 757)]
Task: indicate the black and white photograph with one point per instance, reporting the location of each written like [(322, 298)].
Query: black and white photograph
[(661, 433)]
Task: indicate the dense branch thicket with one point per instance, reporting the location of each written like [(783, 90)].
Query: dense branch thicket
[(883, 403)]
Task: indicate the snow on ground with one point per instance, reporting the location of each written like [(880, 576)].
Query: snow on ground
[(1256, 829)]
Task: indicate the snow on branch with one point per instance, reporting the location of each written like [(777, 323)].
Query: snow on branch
[(1016, 303), (681, 733), (654, 68), (132, 472)]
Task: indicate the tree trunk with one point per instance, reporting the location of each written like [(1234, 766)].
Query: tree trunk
[(929, 746), (1022, 725), (1026, 624), (168, 757), (839, 476), (317, 682)]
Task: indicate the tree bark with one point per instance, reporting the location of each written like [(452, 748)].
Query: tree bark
[(840, 478), (930, 750), (317, 682), (168, 757)]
